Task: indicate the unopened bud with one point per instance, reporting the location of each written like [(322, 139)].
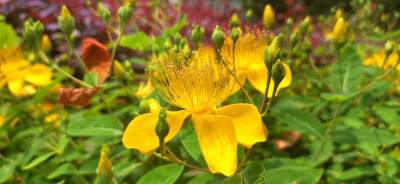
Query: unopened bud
[(294, 39), (105, 149), (66, 22), (118, 70), (144, 106), (234, 21), (167, 45), (29, 34), (339, 30), (278, 55), (105, 169), (249, 14), (234, 35), (162, 112), (162, 128), (196, 36), (304, 25), (177, 38), (278, 72), (281, 37), (218, 38), (275, 45), (125, 14), (338, 13), (289, 22), (104, 13), (307, 45), (389, 45), (268, 17), (267, 61), (38, 29), (131, 3), (46, 45), (183, 43)]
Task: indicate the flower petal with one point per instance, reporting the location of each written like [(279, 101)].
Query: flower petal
[(38, 74), (249, 126), (258, 79), (76, 96), (154, 106), (217, 139), (15, 85), (140, 133), (97, 58), (144, 90), (242, 79)]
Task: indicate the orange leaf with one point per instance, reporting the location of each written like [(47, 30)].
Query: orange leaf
[(97, 58), (76, 96)]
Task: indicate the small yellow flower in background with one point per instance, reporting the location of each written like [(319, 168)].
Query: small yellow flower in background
[(269, 16), (378, 58), (340, 29), (46, 45), (144, 90), (338, 13), (198, 86), (4, 119), (15, 70), (105, 168), (249, 62)]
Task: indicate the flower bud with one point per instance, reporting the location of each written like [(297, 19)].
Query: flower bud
[(278, 72), (177, 38), (339, 30), (183, 43), (338, 13), (234, 35), (131, 3), (268, 17), (267, 61), (294, 39), (144, 106), (218, 38), (104, 13), (167, 45), (275, 45), (281, 37), (105, 169), (234, 21), (307, 45), (196, 36), (66, 22), (125, 14), (46, 45), (162, 112), (249, 14), (389, 45), (289, 22), (38, 29), (304, 25), (162, 128), (278, 55), (29, 33), (118, 70), (105, 149)]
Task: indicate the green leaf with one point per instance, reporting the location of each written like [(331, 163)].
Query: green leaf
[(352, 70), (8, 37), (191, 144), (41, 94), (388, 115), (337, 97), (276, 163), (38, 160), (64, 169), (355, 172), (254, 173), (7, 169), (294, 174), (299, 120), (91, 78), (204, 178), (166, 174), (62, 143), (137, 41), (95, 125), (365, 136), (235, 179), (177, 27)]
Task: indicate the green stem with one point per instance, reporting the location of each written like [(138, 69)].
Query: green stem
[(264, 102), (271, 99), (340, 71), (320, 76), (116, 120), (327, 132)]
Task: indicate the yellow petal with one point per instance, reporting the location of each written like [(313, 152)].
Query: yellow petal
[(38, 74), (140, 132), (242, 78), (15, 85), (258, 79), (249, 126), (144, 90), (217, 139), (154, 106)]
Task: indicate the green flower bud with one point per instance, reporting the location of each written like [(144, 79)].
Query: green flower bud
[(118, 70), (304, 25), (234, 35), (125, 14), (66, 22), (281, 37), (278, 72), (105, 169), (196, 36), (294, 39), (105, 14), (278, 55), (29, 33), (105, 149), (144, 106), (177, 38), (275, 45), (249, 14), (167, 45), (307, 45), (234, 21), (186, 50), (183, 42), (389, 45), (218, 38), (38, 29), (289, 22), (267, 61), (162, 128), (202, 31), (162, 112)]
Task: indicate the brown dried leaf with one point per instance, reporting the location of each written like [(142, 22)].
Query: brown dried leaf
[(97, 58), (76, 96)]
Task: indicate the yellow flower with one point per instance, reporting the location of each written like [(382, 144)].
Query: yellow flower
[(338, 13), (198, 85), (15, 71), (340, 29), (249, 62), (269, 16), (378, 58), (3, 120), (144, 90)]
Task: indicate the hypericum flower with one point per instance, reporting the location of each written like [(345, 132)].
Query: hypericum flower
[(249, 62), (15, 71), (378, 58), (198, 85)]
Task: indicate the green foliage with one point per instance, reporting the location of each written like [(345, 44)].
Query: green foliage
[(166, 174), (137, 41), (8, 37)]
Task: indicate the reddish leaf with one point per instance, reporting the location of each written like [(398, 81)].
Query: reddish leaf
[(97, 58), (292, 137), (76, 96)]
